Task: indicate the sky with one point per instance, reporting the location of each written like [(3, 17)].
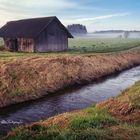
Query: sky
[(95, 14)]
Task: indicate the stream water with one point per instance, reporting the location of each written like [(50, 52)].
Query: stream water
[(67, 100)]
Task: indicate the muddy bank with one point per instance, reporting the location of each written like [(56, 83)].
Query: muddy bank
[(27, 79)]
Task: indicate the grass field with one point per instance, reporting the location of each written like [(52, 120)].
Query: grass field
[(84, 45), (81, 46), (1, 44)]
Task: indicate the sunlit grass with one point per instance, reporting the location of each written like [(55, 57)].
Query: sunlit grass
[(133, 95), (95, 119)]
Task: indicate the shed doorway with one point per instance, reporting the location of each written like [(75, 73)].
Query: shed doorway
[(14, 45)]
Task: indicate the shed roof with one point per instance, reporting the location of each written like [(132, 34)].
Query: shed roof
[(29, 28)]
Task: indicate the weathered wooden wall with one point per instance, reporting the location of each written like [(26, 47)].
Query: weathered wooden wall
[(20, 44), (52, 39), (9, 44), (26, 45)]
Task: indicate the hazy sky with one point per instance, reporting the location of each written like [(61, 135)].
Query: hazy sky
[(95, 14)]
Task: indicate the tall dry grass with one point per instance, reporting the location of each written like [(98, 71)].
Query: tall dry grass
[(27, 79)]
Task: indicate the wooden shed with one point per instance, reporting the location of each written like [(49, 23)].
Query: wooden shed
[(46, 34)]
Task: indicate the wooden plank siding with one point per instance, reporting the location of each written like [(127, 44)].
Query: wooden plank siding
[(52, 39), (20, 44), (9, 44), (26, 45)]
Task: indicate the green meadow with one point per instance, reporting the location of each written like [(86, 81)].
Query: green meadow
[(85, 45), (81, 46)]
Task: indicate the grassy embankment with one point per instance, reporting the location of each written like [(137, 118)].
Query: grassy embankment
[(31, 78), (115, 119)]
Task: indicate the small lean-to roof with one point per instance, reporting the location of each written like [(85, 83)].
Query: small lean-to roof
[(29, 28)]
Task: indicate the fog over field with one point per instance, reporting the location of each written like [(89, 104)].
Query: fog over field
[(108, 35)]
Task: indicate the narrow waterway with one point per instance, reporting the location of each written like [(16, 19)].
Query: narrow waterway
[(68, 100)]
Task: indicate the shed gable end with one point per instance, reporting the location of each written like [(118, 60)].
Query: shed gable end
[(53, 38)]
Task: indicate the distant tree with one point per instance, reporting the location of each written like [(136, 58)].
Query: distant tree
[(126, 34), (77, 29)]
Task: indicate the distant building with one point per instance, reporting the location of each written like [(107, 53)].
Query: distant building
[(46, 34)]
